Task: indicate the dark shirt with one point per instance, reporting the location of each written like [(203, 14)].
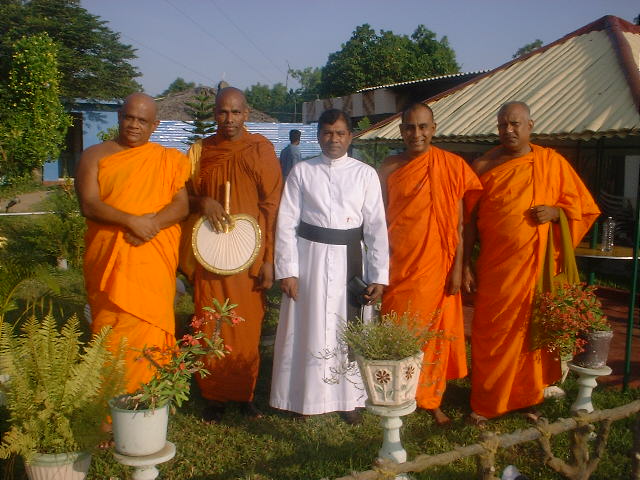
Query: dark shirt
[(288, 158)]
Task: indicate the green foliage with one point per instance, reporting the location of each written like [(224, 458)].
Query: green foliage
[(175, 365), (201, 111), (178, 85), (33, 122), (275, 101), (372, 153), (110, 133), (393, 337), (61, 234), (528, 48), (58, 388), (369, 59), (309, 79), (93, 61)]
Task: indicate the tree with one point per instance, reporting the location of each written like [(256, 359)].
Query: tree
[(201, 111), (369, 59), (33, 123), (528, 48), (275, 101), (309, 79), (92, 60), (178, 85)]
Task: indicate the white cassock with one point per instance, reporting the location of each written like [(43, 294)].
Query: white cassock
[(340, 194)]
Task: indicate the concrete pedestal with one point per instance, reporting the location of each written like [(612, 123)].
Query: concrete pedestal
[(390, 422), (587, 382), (145, 467)]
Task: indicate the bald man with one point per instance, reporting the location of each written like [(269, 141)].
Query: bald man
[(248, 161), (525, 189), (132, 193)]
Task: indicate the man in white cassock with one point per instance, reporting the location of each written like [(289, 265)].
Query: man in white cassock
[(330, 207)]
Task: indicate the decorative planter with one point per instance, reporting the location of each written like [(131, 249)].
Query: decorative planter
[(138, 433), (390, 382), (65, 466), (596, 350)]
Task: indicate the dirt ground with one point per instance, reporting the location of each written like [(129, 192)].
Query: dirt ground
[(27, 202)]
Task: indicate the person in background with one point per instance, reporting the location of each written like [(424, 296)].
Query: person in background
[(290, 155)]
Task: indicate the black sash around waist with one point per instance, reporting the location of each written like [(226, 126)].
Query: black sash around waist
[(351, 238)]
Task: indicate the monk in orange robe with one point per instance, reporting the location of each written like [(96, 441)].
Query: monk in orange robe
[(525, 185), (248, 161), (423, 189), (132, 193)]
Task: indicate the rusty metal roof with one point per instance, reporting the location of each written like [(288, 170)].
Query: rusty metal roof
[(585, 85)]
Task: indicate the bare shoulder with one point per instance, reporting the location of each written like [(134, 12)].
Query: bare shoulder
[(486, 162), (95, 153), (390, 165)]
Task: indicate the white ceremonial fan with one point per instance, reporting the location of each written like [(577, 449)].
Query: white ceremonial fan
[(231, 251)]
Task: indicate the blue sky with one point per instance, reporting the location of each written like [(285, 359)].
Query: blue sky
[(246, 42)]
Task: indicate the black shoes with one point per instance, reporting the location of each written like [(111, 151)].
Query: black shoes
[(352, 417)]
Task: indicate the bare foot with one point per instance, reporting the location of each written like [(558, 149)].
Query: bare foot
[(477, 420), (439, 416), (531, 413)]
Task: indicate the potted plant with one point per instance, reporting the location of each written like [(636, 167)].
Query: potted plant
[(140, 419), (389, 355), (574, 325), (57, 396)]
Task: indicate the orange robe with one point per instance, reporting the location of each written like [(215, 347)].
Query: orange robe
[(422, 213), (251, 165), (132, 288), (506, 374)]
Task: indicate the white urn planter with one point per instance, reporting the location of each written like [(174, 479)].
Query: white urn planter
[(390, 382), (65, 466), (137, 433)]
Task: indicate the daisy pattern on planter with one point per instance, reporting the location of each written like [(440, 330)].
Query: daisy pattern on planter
[(382, 376)]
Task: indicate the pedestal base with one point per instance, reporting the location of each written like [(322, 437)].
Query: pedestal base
[(587, 382), (145, 467), (390, 422)]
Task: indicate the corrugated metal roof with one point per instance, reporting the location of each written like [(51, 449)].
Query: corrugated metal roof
[(423, 80), (174, 134), (585, 85)]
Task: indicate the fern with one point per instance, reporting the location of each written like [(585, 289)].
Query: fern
[(58, 388)]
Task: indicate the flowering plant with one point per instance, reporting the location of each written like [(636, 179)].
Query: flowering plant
[(566, 315), (175, 364)]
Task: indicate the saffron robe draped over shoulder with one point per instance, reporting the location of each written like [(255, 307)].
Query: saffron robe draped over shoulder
[(422, 214), (506, 374), (251, 165), (131, 288)]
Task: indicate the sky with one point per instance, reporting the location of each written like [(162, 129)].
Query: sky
[(247, 42)]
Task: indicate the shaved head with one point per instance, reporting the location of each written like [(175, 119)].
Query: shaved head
[(415, 107), (231, 112), (519, 105), (137, 120), (142, 99), (231, 92)]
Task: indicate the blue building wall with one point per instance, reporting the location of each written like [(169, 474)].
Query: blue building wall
[(94, 118)]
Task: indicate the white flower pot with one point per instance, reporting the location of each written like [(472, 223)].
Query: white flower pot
[(137, 433), (65, 466), (391, 382)]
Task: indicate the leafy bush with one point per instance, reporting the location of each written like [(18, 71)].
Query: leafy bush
[(58, 388)]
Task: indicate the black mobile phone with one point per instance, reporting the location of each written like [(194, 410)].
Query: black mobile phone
[(358, 289)]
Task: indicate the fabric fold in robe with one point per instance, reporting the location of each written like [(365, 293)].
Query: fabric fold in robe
[(506, 374), (422, 214), (129, 288)]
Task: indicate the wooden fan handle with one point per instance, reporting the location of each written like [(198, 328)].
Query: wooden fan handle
[(227, 195)]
